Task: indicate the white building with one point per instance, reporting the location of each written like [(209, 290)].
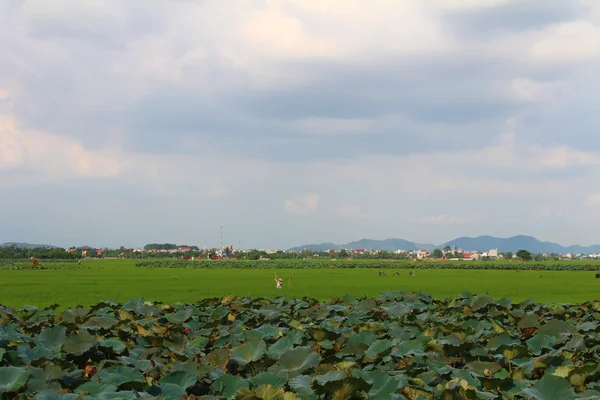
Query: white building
[(421, 254)]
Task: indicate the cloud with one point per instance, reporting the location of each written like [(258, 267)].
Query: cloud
[(592, 200), (422, 110), (445, 219), (51, 155), (350, 211), (568, 41), (302, 205), (529, 90), (545, 211), (217, 191)]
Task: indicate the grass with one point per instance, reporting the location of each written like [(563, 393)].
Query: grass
[(119, 280)]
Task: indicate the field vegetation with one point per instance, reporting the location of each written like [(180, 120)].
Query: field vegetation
[(120, 280), (394, 346)]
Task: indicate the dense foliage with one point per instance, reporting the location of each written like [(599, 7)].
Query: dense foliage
[(14, 252), (396, 346), (377, 264), (44, 264)]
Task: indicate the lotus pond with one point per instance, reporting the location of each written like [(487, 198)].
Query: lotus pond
[(397, 345)]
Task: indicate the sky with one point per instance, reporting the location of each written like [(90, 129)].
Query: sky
[(290, 122)]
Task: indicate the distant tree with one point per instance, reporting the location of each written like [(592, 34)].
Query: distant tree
[(343, 253), (524, 255), (447, 249), (508, 255), (437, 253)]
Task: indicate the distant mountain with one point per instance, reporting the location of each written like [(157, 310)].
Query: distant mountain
[(27, 245), (387, 245), (480, 243), (368, 244), (516, 243)]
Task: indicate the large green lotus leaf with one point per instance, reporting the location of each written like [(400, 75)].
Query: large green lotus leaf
[(48, 394), (577, 342), (483, 369), (452, 340), (28, 354), (376, 348), (2, 353), (122, 395), (349, 388), (228, 385), (265, 392), (366, 305), (72, 315), (180, 316), (53, 338), (115, 343), (414, 347), (249, 352), (480, 301), (357, 349), (218, 358), (79, 343), (330, 376), (93, 388), (12, 379), (172, 391), (268, 378), (550, 388), (285, 343), (349, 300), (364, 337), (301, 385), (198, 343), (176, 345), (588, 326), (267, 331), (139, 306), (100, 322), (503, 339), (296, 361), (119, 375), (528, 321), (398, 309), (383, 385), (557, 328), (541, 342), (180, 378)]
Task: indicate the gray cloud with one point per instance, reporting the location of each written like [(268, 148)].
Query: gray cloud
[(512, 17), (163, 119)]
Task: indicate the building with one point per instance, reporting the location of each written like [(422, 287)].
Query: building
[(422, 254)]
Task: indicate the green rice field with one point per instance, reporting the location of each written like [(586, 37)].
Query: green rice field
[(120, 280)]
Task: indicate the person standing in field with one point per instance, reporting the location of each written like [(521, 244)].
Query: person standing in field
[(278, 281)]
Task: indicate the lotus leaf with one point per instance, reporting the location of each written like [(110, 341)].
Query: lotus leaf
[(12, 379), (296, 361), (79, 343), (250, 351), (550, 388)]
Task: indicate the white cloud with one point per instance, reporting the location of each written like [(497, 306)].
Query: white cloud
[(218, 191), (592, 200), (350, 211), (332, 125), (278, 35), (568, 41), (545, 211), (445, 219), (529, 90), (301, 205), (52, 155)]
